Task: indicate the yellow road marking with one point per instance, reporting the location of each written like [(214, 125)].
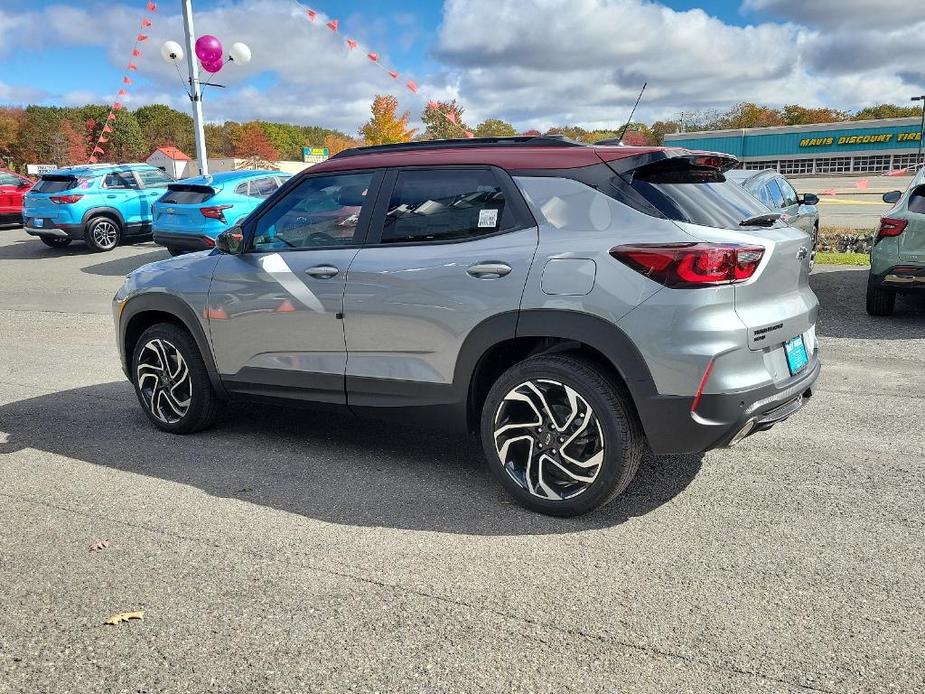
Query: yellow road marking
[(847, 201)]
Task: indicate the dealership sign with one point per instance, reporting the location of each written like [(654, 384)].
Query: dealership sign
[(315, 155), (881, 138)]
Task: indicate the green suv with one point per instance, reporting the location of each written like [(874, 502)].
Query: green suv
[(897, 259)]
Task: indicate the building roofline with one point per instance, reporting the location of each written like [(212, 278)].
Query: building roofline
[(777, 129)]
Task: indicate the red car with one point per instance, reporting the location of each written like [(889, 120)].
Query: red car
[(13, 188)]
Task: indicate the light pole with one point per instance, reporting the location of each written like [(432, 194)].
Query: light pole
[(918, 158), (195, 91), (210, 53)]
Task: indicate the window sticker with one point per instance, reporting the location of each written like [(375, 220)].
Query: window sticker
[(488, 218)]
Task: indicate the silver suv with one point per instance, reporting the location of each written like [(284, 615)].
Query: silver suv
[(570, 303)]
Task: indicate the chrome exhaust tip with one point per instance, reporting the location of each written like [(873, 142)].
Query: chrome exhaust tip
[(743, 432)]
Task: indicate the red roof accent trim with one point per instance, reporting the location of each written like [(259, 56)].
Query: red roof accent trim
[(173, 153), (503, 157)]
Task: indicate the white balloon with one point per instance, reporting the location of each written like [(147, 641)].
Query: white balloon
[(172, 52), (240, 53)]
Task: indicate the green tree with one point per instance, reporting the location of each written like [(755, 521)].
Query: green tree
[(795, 114), (573, 132), (163, 126), (887, 111), (38, 140), (386, 126), (443, 120), (749, 115), (660, 128), (494, 127), (126, 141)]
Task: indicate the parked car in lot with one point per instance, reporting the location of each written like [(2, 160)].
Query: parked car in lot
[(13, 188), (194, 211), (775, 191), (100, 204), (897, 258), (571, 303)]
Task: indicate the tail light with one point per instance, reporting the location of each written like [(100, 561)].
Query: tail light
[(65, 199), (683, 265), (890, 226), (215, 212)]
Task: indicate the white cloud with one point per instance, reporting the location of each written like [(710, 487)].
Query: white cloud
[(839, 13)]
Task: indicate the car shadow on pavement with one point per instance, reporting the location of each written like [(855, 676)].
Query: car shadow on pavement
[(122, 266), (326, 466), (842, 310)]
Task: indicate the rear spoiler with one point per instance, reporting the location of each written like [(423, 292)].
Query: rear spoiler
[(673, 159), (192, 188)]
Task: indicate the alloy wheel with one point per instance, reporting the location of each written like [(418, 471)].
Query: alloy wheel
[(105, 234), (164, 381), (548, 439)]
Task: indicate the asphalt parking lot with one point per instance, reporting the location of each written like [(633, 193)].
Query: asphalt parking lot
[(291, 551)]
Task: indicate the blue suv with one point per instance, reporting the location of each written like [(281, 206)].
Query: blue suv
[(99, 204), (194, 211)]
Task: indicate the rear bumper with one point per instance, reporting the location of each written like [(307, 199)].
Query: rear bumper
[(901, 278), (722, 419), (70, 231), (183, 242)]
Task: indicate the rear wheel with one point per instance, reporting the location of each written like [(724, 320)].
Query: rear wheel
[(102, 234), (55, 241), (560, 435), (171, 380), (880, 302)]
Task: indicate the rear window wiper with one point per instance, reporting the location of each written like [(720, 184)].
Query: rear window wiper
[(761, 220)]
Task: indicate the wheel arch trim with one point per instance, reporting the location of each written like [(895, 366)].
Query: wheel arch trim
[(184, 314)]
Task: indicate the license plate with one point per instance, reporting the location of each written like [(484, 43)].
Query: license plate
[(38, 222), (796, 354)]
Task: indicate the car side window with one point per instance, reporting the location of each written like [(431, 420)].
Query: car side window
[(154, 178), (765, 196), (120, 179), (441, 205), (777, 197), (790, 195), (7, 179), (264, 187), (242, 188), (322, 211)]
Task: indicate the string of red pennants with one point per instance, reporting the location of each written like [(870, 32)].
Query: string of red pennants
[(373, 57), (132, 66)]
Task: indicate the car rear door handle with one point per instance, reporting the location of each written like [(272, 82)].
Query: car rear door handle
[(322, 272), (489, 270)]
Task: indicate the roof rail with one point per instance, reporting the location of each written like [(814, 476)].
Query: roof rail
[(462, 143)]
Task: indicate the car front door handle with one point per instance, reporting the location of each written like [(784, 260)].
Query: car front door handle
[(322, 272), (489, 270)]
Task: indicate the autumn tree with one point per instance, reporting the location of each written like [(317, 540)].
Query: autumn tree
[(443, 120), (794, 114), (252, 143), (72, 144), (660, 128), (749, 115), (11, 122), (386, 126), (494, 127), (887, 111), (336, 143)]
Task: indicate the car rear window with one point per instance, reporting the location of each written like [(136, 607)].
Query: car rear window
[(55, 184), (685, 192), (178, 194)]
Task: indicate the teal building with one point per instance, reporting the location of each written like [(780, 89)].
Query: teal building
[(868, 146)]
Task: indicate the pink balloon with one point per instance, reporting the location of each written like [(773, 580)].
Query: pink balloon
[(213, 65), (209, 49)]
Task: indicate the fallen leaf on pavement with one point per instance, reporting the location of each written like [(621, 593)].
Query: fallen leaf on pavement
[(98, 545), (124, 617)]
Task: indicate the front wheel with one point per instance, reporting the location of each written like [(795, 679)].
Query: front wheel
[(102, 234), (560, 435), (880, 302), (171, 380), (55, 241)]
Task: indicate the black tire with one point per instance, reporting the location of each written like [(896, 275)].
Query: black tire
[(204, 405), (880, 302), (174, 251), (102, 234), (622, 438), (55, 241)]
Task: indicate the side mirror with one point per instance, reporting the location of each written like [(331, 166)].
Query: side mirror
[(24, 183), (892, 197), (231, 241), (810, 199)]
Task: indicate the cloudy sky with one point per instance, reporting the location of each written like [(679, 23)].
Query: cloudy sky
[(536, 63)]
